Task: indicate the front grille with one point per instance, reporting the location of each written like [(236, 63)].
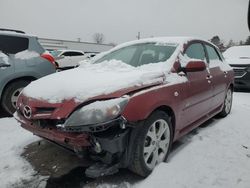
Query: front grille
[(45, 109), (239, 72)]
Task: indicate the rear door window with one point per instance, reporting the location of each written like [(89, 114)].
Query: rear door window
[(212, 53), (13, 44)]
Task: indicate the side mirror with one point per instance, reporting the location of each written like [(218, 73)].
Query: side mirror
[(195, 66), (4, 65)]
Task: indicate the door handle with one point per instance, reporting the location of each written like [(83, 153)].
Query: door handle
[(225, 74)]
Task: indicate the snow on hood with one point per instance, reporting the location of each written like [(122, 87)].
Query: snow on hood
[(238, 61), (237, 52), (91, 80), (237, 55)]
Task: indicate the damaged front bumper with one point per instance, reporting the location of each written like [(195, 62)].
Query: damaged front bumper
[(107, 143), (73, 140)]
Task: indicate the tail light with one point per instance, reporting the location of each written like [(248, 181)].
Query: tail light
[(50, 58)]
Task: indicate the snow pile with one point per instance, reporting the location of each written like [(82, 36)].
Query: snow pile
[(218, 156), (26, 54), (13, 139)]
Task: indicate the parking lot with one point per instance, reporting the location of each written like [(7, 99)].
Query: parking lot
[(217, 154)]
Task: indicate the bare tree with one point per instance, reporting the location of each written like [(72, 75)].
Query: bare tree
[(247, 41), (98, 38), (218, 42)]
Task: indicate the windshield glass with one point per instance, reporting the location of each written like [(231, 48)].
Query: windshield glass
[(141, 54)]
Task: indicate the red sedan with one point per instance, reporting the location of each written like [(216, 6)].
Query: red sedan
[(127, 106)]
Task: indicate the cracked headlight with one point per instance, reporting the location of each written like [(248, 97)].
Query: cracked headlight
[(97, 112)]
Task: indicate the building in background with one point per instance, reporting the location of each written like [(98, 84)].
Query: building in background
[(87, 47)]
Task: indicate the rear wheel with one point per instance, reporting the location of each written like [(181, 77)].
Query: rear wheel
[(227, 103), (11, 94), (152, 144)]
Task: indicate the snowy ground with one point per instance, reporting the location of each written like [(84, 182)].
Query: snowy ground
[(215, 155)]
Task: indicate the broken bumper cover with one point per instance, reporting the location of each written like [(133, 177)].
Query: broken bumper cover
[(94, 128), (73, 140)]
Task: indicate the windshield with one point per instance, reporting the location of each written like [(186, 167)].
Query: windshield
[(141, 54)]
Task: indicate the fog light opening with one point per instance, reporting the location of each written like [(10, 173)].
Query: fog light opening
[(96, 146)]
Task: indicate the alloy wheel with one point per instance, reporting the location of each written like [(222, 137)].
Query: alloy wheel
[(14, 96), (156, 143)]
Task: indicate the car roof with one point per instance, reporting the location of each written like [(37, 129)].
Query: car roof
[(162, 40), (14, 33)]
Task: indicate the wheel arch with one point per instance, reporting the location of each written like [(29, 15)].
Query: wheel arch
[(231, 86), (169, 111), (25, 78)]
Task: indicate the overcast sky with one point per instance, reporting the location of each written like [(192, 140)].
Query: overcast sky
[(120, 20)]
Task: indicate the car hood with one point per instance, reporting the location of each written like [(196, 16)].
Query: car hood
[(104, 80), (238, 61)]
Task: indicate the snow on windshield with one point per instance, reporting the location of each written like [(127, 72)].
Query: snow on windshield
[(90, 80)]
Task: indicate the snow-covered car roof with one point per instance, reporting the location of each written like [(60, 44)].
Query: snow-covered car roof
[(160, 40), (176, 41)]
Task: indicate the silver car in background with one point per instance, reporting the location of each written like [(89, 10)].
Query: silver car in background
[(22, 60)]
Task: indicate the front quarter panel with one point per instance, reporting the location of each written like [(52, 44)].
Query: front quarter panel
[(143, 103)]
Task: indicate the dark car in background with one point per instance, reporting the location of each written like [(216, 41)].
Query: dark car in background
[(239, 58), (22, 60)]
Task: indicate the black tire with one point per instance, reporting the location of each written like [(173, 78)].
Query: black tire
[(9, 91), (227, 109), (138, 164)]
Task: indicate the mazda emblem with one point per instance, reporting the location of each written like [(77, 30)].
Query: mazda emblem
[(27, 112)]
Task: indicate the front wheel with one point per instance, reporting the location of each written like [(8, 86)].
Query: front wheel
[(152, 144), (227, 105)]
